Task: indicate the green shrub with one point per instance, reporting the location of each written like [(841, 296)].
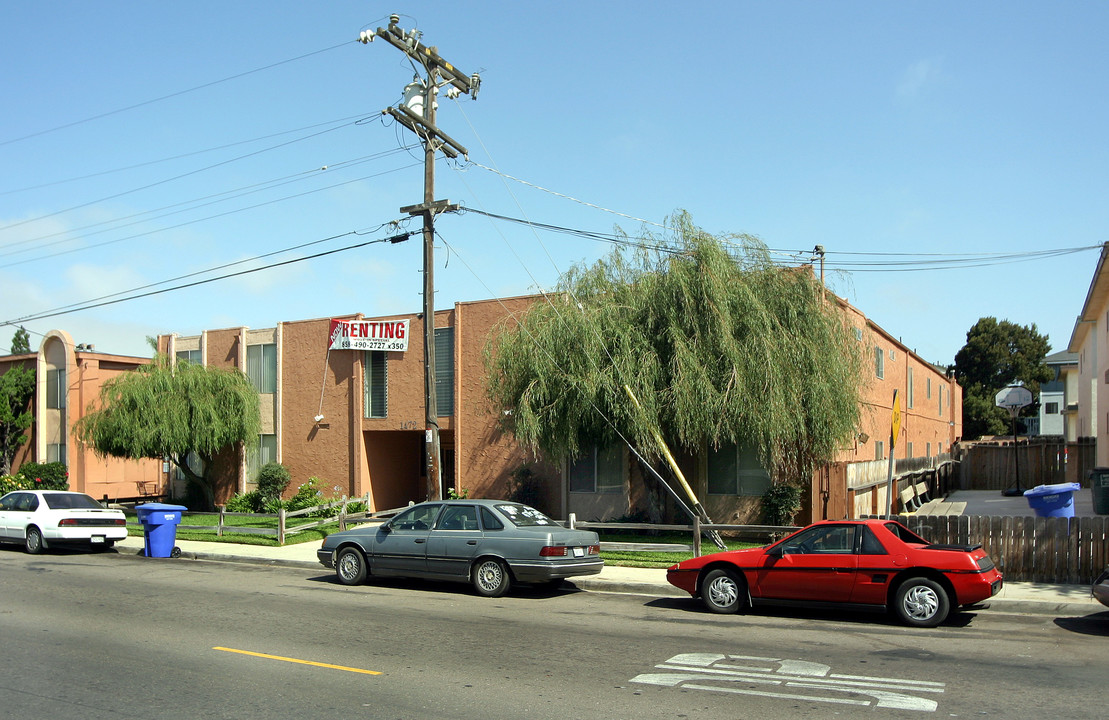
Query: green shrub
[(45, 476), (248, 502), (781, 503), (273, 478)]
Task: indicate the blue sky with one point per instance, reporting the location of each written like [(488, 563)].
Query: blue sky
[(142, 142)]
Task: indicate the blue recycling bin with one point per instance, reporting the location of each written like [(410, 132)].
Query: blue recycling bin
[(159, 527), (1052, 500)]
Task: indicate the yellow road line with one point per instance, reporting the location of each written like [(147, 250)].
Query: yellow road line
[(295, 660)]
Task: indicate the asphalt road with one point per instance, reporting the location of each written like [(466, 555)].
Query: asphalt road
[(115, 636)]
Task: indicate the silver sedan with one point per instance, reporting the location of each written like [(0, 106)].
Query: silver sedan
[(488, 543)]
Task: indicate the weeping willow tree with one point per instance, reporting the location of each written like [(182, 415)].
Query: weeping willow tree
[(718, 343), (167, 410)]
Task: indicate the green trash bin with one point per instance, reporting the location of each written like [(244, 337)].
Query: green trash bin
[(1099, 484)]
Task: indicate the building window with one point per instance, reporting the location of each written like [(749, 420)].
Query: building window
[(735, 469), (55, 452), (55, 389), (261, 367), (909, 393), (939, 448), (599, 470), (941, 401), (879, 450), (879, 363), (262, 454), (192, 356), (1051, 408), (928, 450), (444, 372), (908, 450), (859, 334), (376, 385), (928, 388)]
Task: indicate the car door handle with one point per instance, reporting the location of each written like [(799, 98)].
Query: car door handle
[(471, 542), (420, 540)]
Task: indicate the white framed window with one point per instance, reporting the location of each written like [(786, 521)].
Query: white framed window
[(55, 389), (879, 363), (261, 366), (734, 469), (909, 390), (376, 384), (261, 455), (599, 470), (192, 356)]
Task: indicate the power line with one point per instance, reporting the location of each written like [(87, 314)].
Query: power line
[(167, 97), (180, 156), (168, 180), (209, 217), (193, 204), (91, 304)]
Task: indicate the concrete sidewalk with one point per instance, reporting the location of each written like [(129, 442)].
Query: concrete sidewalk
[(1023, 598)]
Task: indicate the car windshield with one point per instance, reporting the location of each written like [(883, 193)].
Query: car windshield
[(71, 501), (524, 516)]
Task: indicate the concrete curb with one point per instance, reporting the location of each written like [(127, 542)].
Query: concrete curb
[(1015, 599)]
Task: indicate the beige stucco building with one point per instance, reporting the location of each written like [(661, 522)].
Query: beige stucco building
[(68, 378), (1090, 340)]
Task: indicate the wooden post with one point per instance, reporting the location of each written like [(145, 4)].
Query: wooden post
[(696, 536), (281, 526), (219, 522), (572, 520)]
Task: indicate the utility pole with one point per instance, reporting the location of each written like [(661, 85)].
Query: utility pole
[(417, 113)]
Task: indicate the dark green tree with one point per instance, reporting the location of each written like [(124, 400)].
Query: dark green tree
[(996, 355), (17, 385), (21, 341), (718, 344), (166, 410)]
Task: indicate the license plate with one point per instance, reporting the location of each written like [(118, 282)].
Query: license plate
[(579, 552), (97, 538)]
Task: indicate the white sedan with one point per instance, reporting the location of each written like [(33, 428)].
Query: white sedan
[(40, 519)]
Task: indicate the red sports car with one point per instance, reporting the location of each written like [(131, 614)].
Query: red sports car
[(873, 564)]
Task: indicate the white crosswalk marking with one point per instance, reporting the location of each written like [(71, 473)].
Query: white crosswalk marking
[(692, 670)]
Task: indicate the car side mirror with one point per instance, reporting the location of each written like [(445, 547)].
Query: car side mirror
[(385, 528), (776, 551)]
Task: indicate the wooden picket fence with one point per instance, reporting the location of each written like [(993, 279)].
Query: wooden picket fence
[(1027, 549)]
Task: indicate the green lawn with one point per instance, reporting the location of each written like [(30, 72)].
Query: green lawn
[(625, 558), (636, 558)]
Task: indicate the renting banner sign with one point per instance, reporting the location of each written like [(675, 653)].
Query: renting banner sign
[(369, 335)]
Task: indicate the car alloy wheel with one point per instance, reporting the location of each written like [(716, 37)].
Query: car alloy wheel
[(921, 602), (350, 566), (722, 591), (490, 578)]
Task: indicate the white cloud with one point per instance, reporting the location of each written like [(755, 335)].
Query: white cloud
[(917, 77)]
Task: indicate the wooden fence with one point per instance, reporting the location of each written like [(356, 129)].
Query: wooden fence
[(994, 465), (1026, 549)]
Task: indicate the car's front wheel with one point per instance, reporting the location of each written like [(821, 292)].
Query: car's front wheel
[(722, 591), (34, 542), (490, 578), (350, 566), (921, 602)]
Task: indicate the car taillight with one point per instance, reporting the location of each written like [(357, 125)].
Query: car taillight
[(119, 522), (553, 551), (594, 549), (67, 521)]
